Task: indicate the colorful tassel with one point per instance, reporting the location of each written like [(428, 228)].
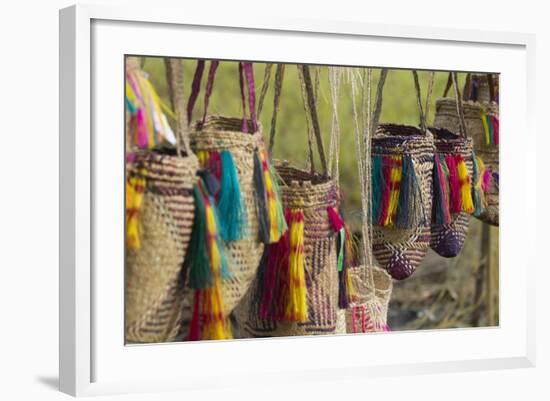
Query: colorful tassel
[(441, 201), (392, 169), (231, 205), (496, 130), (270, 211), (410, 212), (478, 194), (277, 223), (207, 266), (454, 183), (261, 200), (135, 186), (148, 112), (378, 186), (296, 305), (465, 185)]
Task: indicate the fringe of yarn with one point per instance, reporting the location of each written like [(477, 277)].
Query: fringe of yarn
[(465, 185), (391, 169), (490, 128), (273, 209), (231, 204), (454, 183), (442, 213), (344, 278), (275, 280), (261, 200), (410, 212), (135, 186), (148, 111), (296, 305), (207, 266), (478, 194), (378, 185)]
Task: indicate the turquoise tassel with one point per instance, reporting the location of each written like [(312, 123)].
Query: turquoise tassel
[(409, 208), (377, 187), (231, 207), (196, 261)]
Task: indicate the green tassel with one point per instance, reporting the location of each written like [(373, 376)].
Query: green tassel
[(377, 187), (281, 221), (231, 206), (409, 209), (196, 260)]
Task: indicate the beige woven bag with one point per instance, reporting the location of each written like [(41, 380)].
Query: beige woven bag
[(371, 285), (482, 124), (306, 196), (161, 181)]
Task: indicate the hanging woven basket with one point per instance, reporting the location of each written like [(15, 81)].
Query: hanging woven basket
[(224, 134), (402, 183), (159, 219), (368, 310), (453, 202), (310, 194), (296, 290)]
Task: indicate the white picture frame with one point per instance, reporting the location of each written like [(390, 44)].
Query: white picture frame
[(93, 358)]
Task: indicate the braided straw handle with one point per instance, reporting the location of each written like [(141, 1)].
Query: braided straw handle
[(453, 81), (174, 76)]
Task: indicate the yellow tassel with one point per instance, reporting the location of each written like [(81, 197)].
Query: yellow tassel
[(395, 181), (202, 155), (485, 128), (134, 198), (465, 186), (296, 306)]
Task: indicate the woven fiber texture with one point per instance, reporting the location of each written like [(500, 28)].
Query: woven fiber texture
[(312, 193), (368, 311), (154, 291), (224, 133), (400, 250), (447, 239), (446, 117)]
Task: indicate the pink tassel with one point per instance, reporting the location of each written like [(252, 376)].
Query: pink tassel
[(495, 129), (456, 201), (142, 137), (335, 220), (486, 179)]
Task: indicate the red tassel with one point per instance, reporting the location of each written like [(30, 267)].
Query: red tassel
[(454, 181), (194, 327), (335, 220)]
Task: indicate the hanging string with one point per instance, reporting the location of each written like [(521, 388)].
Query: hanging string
[(431, 80), (310, 164), (363, 149), (279, 75), (265, 87), (334, 77)]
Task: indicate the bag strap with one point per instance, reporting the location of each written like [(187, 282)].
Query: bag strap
[(174, 75), (265, 87), (452, 80), (314, 117), (246, 69), (491, 83), (195, 89), (279, 76)]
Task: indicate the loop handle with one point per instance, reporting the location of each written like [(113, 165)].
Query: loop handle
[(174, 76)]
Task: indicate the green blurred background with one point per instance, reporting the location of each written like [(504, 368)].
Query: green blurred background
[(443, 293)]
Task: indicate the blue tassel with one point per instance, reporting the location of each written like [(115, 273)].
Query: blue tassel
[(377, 187), (231, 207), (409, 208), (210, 182)]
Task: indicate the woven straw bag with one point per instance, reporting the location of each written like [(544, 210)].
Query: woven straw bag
[(242, 139), (448, 234), (479, 87), (309, 195), (159, 220), (402, 169), (368, 312), (371, 286), (481, 120)]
